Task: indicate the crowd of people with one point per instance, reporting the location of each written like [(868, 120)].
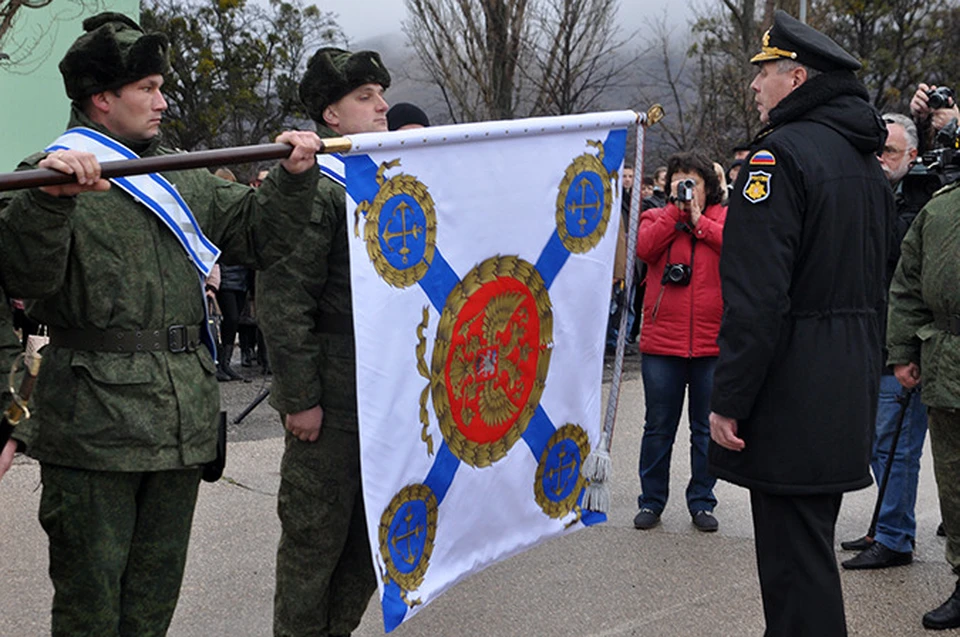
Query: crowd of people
[(762, 300)]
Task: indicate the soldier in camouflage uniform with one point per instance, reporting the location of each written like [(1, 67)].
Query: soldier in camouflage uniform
[(126, 401), (325, 572), (923, 339)]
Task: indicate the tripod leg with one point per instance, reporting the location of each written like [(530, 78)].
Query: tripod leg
[(904, 400), (253, 405)]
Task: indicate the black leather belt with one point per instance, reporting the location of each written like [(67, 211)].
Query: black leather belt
[(950, 323), (175, 339)]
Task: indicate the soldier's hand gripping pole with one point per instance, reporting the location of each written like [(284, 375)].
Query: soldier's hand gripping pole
[(183, 161)]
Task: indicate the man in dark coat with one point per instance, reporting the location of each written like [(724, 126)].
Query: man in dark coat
[(802, 270)]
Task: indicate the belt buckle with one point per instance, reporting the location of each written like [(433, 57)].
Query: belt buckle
[(177, 338)]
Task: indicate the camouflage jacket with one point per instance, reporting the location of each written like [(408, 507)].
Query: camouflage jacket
[(103, 261), (925, 288), (305, 312)]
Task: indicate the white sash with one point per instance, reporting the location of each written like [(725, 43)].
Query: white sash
[(331, 165), (152, 190)]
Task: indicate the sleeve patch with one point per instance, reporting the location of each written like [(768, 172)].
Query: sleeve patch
[(757, 187), (763, 158)]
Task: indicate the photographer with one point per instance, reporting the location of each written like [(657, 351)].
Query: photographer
[(682, 308), (932, 107)]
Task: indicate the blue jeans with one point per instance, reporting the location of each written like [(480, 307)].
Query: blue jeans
[(896, 525), (665, 382)]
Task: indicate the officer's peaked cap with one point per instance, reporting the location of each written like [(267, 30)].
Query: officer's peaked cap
[(790, 39), (112, 52)]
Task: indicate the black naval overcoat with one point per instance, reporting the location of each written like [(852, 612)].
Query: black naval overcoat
[(802, 271)]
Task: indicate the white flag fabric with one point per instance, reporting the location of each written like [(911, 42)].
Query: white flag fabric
[(481, 259)]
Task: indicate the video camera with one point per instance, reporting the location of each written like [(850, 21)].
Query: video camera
[(685, 190), (935, 168)]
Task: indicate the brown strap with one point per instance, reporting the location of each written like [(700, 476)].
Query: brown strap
[(176, 339), (949, 323)]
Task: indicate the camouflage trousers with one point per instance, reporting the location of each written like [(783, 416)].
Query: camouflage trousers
[(325, 573), (118, 546), (944, 427)]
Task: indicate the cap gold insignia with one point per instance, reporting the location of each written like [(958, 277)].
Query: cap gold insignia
[(768, 52)]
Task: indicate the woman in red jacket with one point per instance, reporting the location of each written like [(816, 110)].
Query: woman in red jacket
[(681, 318)]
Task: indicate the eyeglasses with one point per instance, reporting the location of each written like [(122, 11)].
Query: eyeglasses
[(891, 152)]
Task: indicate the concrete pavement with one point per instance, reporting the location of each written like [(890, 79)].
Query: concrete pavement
[(610, 580)]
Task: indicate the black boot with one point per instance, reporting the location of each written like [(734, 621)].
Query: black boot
[(246, 357), (225, 364), (221, 375), (946, 615)]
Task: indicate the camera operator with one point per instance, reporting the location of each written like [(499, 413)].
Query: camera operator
[(682, 309), (932, 107)]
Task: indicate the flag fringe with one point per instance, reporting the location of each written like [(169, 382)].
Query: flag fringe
[(597, 469), (596, 497)]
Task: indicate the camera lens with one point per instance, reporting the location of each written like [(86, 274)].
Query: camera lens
[(939, 97)]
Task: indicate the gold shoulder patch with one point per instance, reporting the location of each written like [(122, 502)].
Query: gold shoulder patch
[(757, 187)]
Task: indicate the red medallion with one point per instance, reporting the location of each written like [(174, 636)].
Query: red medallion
[(492, 361)]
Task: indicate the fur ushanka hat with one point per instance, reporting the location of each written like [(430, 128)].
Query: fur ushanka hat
[(113, 52), (332, 73)]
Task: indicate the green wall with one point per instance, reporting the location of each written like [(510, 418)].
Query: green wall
[(33, 106)]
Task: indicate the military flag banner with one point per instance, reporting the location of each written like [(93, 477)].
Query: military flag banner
[(481, 260)]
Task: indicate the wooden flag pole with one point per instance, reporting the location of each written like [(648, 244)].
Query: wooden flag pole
[(160, 163)]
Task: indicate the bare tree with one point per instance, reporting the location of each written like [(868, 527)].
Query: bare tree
[(499, 59), (22, 50), (9, 9), (725, 38), (664, 78), (471, 50), (576, 55)]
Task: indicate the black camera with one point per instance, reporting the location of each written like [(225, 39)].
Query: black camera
[(685, 190), (934, 169), (676, 274), (939, 97)]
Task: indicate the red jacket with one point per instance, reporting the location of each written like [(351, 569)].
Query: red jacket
[(681, 320)]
